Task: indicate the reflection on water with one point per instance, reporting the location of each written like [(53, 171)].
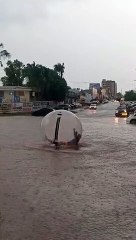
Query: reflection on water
[(116, 120), (68, 194), (20, 132)]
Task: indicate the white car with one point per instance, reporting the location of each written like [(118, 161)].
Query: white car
[(131, 119), (93, 106)]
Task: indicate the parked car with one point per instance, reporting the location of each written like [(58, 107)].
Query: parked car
[(105, 101), (42, 112), (62, 106), (93, 106), (94, 102), (73, 106), (131, 107), (121, 112), (131, 119)]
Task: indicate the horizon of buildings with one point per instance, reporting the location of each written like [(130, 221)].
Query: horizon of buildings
[(105, 89)]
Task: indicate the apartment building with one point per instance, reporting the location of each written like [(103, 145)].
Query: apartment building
[(110, 87)]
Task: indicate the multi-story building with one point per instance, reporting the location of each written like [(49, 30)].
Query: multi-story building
[(94, 85), (110, 87), (94, 89)]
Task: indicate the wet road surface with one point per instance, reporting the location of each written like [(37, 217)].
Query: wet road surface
[(82, 194)]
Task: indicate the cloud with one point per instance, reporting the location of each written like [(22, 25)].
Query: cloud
[(22, 11), (94, 38)]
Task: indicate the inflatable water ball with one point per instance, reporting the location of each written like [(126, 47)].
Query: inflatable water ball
[(62, 127)]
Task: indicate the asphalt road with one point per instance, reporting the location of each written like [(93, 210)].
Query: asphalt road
[(85, 194)]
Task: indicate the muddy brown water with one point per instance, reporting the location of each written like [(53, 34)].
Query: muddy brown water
[(68, 194)]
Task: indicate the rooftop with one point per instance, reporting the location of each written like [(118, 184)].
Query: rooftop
[(14, 88)]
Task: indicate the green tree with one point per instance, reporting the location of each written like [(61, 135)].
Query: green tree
[(59, 68), (14, 74), (32, 74), (3, 54), (35, 76), (47, 82), (119, 96), (130, 96), (56, 89)]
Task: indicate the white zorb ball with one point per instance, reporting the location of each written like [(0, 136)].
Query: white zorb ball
[(61, 126)]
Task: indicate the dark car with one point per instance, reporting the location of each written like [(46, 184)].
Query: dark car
[(42, 112), (62, 106), (131, 108), (121, 112)]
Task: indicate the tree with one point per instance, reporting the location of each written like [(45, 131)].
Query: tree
[(35, 77), (47, 82), (14, 74), (56, 89), (119, 95), (130, 96), (59, 68), (3, 54)]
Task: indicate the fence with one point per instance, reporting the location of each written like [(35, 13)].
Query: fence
[(24, 107), (41, 104), (21, 107), (5, 108)]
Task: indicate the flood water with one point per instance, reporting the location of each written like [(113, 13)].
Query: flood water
[(85, 194)]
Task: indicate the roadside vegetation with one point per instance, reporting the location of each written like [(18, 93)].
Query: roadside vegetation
[(49, 84), (130, 95), (3, 54)]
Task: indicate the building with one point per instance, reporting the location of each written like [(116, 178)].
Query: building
[(104, 83), (73, 95), (94, 85), (110, 88), (14, 94), (94, 89), (85, 96)]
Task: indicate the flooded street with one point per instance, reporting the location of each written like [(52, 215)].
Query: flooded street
[(85, 194)]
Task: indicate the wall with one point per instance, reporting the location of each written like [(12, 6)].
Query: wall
[(9, 98)]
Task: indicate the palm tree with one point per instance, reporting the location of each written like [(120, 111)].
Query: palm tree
[(3, 54), (59, 68)]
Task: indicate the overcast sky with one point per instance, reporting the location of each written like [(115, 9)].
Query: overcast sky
[(95, 39)]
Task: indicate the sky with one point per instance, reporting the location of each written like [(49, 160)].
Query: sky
[(96, 39)]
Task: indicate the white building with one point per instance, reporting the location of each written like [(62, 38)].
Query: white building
[(11, 94)]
